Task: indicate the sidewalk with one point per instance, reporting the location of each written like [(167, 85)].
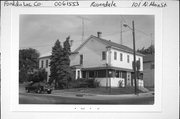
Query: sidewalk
[(102, 97)]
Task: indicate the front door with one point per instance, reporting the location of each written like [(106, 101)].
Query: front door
[(128, 79)]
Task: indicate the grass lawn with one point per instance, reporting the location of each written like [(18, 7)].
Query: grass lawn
[(101, 91)]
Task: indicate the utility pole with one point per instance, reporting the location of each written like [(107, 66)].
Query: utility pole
[(134, 54), (121, 33), (134, 49), (82, 29)]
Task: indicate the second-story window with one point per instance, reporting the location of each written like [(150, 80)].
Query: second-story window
[(81, 59), (127, 58), (42, 64), (121, 57), (103, 55), (115, 55), (47, 64)]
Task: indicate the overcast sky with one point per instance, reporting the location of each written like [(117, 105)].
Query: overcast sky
[(41, 31)]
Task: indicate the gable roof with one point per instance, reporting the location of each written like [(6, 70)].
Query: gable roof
[(45, 55), (109, 44), (49, 55)]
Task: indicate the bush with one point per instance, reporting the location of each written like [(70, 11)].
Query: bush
[(96, 84), (74, 84), (38, 76), (84, 83), (62, 84)]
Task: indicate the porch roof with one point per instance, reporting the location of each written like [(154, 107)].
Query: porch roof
[(101, 68)]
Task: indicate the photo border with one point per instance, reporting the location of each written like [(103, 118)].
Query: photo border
[(14, 81)]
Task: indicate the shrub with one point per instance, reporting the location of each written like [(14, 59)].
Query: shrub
[(74, 84), (38, 76), (84, 83), (96, 84), (62, 84)]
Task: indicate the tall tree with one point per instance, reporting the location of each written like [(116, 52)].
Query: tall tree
[(56, 64), (149, 50), (28, 62), (67, 73)]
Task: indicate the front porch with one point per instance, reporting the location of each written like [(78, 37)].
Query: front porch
[(109, 77)]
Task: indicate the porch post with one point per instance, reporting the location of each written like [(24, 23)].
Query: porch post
[(106, 76)]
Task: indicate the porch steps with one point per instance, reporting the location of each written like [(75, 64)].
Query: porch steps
[(143, 89)]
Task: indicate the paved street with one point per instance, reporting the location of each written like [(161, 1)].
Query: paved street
[(69, 98)]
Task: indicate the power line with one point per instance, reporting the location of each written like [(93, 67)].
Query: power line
[(83, 24), (142, 32), (121, 27), (136, 28), (115, 33), (123, 19)]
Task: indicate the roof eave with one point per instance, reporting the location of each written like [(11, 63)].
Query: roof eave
[(125, 50)]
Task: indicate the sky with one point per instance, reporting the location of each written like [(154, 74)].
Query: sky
[(41, 31)]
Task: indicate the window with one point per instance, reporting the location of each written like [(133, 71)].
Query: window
[(81, 59), (110, 74), (117, 74), (42, 64), (83, 74), (115, 55), (120, 74), (91, 74), (103, 55), (121, 57), (47, 64), (101, 73), (128, 58)]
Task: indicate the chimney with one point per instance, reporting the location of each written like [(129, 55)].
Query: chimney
[(99, 34)]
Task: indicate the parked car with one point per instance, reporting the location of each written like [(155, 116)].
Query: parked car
[(38, 87)]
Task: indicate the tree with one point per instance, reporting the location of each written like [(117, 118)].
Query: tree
[(67, 72), (56, 64), (28, 62), (149, 50), (38, 76)]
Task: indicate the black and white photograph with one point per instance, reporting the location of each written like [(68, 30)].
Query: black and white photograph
[(62, 61), (87, 59)]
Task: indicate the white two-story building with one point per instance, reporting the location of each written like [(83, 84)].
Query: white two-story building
[(107, 62)]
